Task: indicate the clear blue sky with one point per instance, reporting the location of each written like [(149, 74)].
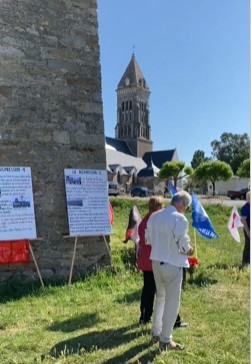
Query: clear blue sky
[(194, 55)]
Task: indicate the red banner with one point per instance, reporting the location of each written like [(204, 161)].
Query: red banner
[(111, 214), (15, 251)]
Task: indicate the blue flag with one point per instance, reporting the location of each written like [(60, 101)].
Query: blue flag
[(201, 221), (171, 188)]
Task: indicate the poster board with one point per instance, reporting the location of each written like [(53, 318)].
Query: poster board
[(87, 202), (17, 216)]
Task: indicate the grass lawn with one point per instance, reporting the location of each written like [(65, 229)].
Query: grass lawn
[(95, 320)]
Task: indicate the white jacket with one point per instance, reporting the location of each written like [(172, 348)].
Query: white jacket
[(167, 233)]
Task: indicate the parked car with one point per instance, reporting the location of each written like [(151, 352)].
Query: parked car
[(113, 189), (140, 191), (241, 194)]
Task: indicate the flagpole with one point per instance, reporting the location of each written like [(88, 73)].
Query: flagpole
[(195, 247)]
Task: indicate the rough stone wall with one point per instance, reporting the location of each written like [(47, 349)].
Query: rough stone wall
[(51, 118)]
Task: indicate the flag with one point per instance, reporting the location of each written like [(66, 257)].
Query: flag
[(133, 223), (234, 223), (200, 219), (171, 188), (111, 214)]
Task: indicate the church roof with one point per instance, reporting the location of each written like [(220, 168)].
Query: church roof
[(119, 145), (128, 162), (149, 171), (159, 157), (134, 75)]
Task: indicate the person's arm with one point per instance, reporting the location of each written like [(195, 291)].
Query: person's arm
[(148, 231), (245, 225), (182, 238)]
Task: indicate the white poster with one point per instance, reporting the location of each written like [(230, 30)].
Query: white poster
[(87, 202), (17, 217)]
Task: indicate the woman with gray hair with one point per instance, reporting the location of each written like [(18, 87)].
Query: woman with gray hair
[(167, 232)]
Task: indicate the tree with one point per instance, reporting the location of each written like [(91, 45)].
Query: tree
[(173, 170), (213, 171), (244, 169), (232, 149), (198, 158)]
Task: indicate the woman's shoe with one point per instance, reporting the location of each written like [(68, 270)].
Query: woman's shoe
[(172, 345)]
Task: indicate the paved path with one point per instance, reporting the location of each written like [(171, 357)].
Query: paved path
[(222, 200), (204, 200)]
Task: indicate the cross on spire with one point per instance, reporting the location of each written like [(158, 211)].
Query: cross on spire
[(133, 49)]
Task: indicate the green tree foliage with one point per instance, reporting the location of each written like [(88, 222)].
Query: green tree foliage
[(198, 158), (244, 169), (213, 171), (172, 170), (232, 149)]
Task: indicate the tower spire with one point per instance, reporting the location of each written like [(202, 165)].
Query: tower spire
[(133, 51), (133, 125)]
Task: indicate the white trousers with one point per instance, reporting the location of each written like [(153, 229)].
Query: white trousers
[(168, 280)]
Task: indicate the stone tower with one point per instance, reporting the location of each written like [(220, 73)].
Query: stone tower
[(51, 118), (133, 124)]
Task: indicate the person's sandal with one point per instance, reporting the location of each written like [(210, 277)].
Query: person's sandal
[(172, 345), (154, 340)]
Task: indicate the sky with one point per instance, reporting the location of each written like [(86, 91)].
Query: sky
[(195, 57)]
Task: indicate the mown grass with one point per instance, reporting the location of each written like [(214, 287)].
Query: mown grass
[(95, 320)]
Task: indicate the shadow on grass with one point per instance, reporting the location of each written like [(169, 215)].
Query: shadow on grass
[(138, 354), (130, 298), (201, 280), (16, 289), (106, 340), (76, 323)]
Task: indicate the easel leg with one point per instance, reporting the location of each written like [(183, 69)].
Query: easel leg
[(107, 247), (73, 259), (35, 262)]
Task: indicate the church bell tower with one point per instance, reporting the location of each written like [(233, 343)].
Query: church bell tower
[(133, 125)]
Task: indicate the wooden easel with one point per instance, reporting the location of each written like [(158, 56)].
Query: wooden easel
[(35, 262), (74, 252)]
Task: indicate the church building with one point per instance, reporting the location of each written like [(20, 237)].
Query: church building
[(129, 156)]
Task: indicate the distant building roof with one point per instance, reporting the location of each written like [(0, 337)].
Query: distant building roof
[(119, 145), (131, 170), (159, 157), (114, 157), (149, 171), (115, 168)]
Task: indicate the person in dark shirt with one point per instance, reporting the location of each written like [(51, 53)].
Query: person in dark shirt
[(245, 219)]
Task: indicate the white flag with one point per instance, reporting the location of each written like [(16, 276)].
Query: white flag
[(133, 224), (234, 223)]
